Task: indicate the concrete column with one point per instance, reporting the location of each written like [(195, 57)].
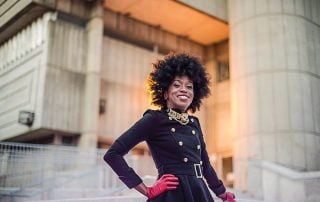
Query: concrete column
[(90, 112), (275, 79)]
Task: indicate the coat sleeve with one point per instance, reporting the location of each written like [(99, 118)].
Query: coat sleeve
[(209, 173), (139, 132)]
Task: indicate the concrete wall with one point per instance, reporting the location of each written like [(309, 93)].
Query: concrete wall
[(125, 68), (16, 14), (22, 74), (129, 48), (43, 72), (283, 184), (5, 12), (133, 31), (65, 77), (219, 136), (216, 8), (275, 86)]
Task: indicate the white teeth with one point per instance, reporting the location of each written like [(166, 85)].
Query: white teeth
[(183, 96)]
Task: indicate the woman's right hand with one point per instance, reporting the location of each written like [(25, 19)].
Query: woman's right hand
[(166, 182), (228, 197)]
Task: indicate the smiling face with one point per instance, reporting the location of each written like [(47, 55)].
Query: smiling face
[(180, 93)]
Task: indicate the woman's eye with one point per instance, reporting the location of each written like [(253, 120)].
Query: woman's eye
[(190, 87), (176, 85)]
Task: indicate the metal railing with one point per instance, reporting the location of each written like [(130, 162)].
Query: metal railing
[(130, 199), (38, 171), (30, 172)]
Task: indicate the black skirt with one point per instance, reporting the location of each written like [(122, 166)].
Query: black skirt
[(190, 189)]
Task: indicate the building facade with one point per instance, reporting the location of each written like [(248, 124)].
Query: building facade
[(74, 72)]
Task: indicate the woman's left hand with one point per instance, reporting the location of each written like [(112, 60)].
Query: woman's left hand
[(227, 197), (165, 183)]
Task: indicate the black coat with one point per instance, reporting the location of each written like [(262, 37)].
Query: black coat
[(177, 149)]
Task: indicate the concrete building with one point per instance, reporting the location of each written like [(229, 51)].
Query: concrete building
[(73, 72)]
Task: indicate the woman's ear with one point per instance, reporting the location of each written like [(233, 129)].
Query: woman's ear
[(165, 95)]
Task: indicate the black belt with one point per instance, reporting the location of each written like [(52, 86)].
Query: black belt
[(180, 169)]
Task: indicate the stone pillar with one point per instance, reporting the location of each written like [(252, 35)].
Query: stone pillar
[(275, 79), (94, 29)]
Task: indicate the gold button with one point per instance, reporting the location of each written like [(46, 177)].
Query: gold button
[(173, 130), (198, 146), (180, 143), (193, 132), (170, 118), (185, 159), (192, 120), (200, 162)]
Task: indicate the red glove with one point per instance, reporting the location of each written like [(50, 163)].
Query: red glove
[(227, 197), (166, 182)]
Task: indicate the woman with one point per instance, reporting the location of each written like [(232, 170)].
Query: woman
[(177, 85)]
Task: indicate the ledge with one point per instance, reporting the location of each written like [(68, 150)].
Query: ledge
[(285, 171)]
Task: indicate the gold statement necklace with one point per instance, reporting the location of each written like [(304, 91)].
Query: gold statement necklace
[(181, 118)]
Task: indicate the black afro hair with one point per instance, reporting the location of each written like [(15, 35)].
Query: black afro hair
[(182, 64)]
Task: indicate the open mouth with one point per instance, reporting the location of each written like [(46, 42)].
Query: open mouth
[(183, 97)]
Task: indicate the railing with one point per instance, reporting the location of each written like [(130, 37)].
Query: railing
[(102, 199), (29, 170), (139, 198), (287, 183)]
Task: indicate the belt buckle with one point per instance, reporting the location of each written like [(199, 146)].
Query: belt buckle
[(198, 170)]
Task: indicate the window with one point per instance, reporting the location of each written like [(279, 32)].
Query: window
[(102, 106), (223, 71), (227, 164)]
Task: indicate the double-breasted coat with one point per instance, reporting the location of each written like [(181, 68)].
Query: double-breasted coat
[(176, 149)]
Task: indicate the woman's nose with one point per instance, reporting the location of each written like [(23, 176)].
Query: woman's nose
[(183, 89)]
